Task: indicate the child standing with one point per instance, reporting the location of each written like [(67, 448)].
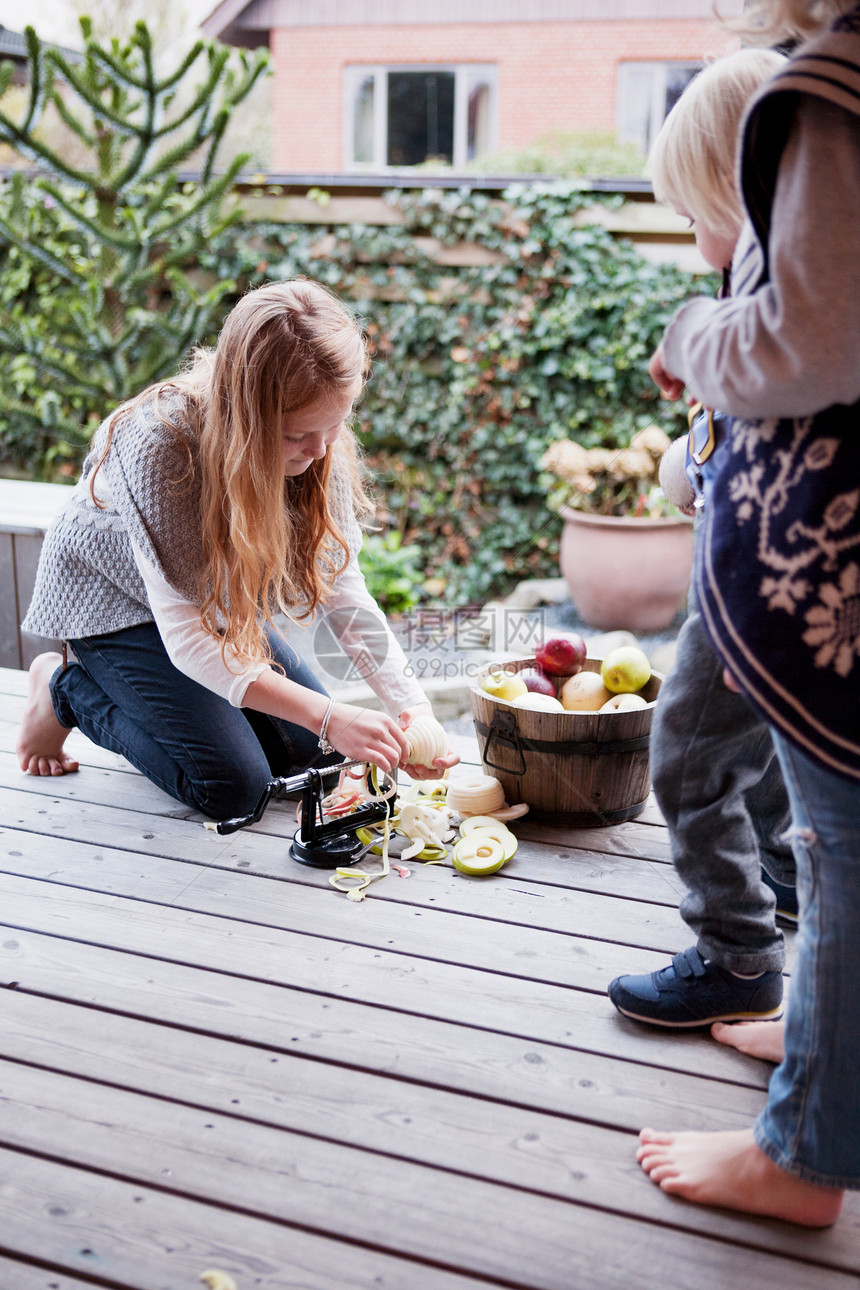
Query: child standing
[(714, 768), (778, 577)]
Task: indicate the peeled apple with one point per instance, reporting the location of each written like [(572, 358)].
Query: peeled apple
[(427, 740)]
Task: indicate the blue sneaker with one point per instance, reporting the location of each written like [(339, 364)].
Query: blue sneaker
[(690, 992), (786, 899)]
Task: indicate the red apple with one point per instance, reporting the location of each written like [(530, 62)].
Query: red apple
[(537, 682), (562, 656)]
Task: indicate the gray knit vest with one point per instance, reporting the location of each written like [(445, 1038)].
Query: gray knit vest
[(87, 582)]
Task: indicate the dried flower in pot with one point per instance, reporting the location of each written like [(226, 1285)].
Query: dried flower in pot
[(626, 551)]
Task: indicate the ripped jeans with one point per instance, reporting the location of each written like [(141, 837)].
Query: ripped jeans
[(811, 1124)]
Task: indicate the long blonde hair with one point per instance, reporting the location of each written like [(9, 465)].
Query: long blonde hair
[(769, 22), (270, 542)]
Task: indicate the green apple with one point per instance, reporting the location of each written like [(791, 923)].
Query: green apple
[(584, 692), (504, 685), (625, 670)]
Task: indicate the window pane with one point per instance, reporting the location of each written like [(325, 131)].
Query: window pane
[(480, 105), (636, 82), (362, 117), (420, 117), (677, 80)]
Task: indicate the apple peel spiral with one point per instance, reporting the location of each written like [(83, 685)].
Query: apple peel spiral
[(481, 795)]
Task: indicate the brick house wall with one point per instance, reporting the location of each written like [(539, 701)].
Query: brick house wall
[(551, 75)]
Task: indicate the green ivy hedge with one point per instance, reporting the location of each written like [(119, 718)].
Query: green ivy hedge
[(476, 369)]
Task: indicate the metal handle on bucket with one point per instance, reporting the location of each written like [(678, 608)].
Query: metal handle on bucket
[(503, 728)]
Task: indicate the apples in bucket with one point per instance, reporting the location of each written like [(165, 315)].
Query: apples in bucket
[(558, 682), (572, 740)]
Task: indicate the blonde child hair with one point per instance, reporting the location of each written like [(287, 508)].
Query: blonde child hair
[(773, 21), (692, 162)]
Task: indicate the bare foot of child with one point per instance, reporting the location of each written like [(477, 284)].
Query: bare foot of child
[(41, 737), (728, 1169), (765, 1039)]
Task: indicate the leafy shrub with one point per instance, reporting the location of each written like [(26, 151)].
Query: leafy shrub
[(564, 154), (477, 370), (98, 251), (393, 572)]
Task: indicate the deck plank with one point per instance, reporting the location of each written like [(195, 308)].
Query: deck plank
[(26, 1276), (530, 880), (211, 1059), (397, 1203), (141, 1238)]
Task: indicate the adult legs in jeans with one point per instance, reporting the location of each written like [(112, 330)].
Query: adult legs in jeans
[(718, 783), (126, 695), (805, 1147), (811, 1125)]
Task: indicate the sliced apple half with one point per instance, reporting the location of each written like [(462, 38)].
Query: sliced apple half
[(485, 824), (478, 855)]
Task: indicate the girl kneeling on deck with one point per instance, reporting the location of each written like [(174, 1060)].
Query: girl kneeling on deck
[(208, 504)]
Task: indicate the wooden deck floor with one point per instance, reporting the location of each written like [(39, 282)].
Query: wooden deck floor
[(212, 1060)]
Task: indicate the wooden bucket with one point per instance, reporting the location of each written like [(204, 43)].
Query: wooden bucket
[(584, 769)]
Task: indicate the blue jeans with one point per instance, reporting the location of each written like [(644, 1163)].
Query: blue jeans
[(811, 1124), (718, 784), (125, 694)]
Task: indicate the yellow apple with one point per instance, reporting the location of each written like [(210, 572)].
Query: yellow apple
[(537, 702), (584, 692), (625, 670), (504, 685), (624, 703)]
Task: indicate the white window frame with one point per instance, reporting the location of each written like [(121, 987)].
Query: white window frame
[(651, 119), (463, 74)]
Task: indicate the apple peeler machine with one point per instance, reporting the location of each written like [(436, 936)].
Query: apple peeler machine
[(323, 843)]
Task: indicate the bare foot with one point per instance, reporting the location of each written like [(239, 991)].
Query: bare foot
[(41, 737), (765, 1039), (728, 1169)]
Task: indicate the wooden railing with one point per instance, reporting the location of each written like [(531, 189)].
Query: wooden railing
[(656, 230)]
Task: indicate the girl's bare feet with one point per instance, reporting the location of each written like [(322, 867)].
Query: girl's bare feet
[(728, 1169), (765, 1039), (41, 737)]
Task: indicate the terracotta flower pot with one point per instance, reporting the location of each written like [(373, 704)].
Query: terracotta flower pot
[(626, 573)]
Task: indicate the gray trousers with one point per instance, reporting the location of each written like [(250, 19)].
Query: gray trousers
[(718, 783)]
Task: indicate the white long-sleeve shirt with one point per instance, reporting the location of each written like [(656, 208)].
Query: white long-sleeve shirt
[(198, 655)]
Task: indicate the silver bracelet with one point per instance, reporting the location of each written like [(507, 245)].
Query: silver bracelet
[(324, 745)]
